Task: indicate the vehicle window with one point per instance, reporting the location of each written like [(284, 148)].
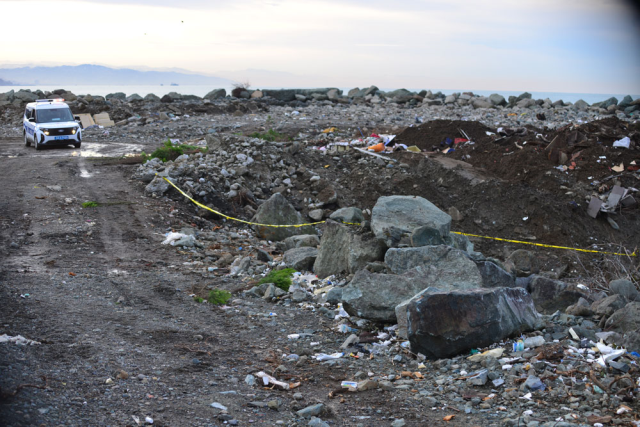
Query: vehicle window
[(54, 115), (26, 113)]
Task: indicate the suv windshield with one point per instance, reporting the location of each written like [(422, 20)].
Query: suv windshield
[(54, 115)]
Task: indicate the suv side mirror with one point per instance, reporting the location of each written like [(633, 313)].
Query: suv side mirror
[(32, 119)]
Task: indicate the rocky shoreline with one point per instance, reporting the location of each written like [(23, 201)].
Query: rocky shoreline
[(303, 97), (405, 321)]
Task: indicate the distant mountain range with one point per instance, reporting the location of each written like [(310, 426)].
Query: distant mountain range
[(99, 75)]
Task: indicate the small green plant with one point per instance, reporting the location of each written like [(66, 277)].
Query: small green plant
[(270, 135), (90, 205), (219, 296), (198, 299), (168, 151), (280, 278)]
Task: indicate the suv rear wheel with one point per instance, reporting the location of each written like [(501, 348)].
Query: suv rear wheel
[(27, 143)]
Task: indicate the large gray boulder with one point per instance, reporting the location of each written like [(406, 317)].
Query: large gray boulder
[(493, 276), (304, 240), (348, 215), (375, 296), (626, 102), (157, 186), (278, 211), (439, 266), (552, 295), (580, 105), (216, 94), (401, 312), (393, 217), (152, 97), (133, 98), (25, 96), (300, 259), (607, 306), (444, 324), (344, 251), (497, 99), (481, 103), (626, 288), (626, 319)]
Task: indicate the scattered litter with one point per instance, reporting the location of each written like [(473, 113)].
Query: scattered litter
[(268, 379), (18, 340), (623, 143), (172, 237)]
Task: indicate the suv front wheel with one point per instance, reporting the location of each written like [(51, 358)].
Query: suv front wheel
[(27, 143), (36, 143)]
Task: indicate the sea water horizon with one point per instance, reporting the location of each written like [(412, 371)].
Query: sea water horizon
[(201, 90)]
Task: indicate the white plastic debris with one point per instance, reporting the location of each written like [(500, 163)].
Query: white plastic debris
[(148, 420), (18, 340), (268, 379), (323, 356), (623, 143), (173, 237)]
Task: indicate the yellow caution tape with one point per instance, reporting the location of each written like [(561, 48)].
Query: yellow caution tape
[(542, 244), (350, 223), (236, 219)]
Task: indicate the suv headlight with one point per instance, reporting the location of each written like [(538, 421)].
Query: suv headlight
[(45, 131), (73, 131)]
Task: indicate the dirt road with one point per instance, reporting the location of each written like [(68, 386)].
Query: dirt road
[(120, 336)]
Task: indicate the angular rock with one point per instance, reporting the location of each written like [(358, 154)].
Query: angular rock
[(626, 102), (426, 236), (132, 98), (341, 250), (394, 216), (439, 266), (316, 214), (301, 259), (497, 99), (278, 211), (580, 308), (479, 103), (495, 277), (626, 288), (303, 240), (311, 411), (348, 215), (158, 186), (552, 295), (608, 305), (524, 262), (216, 94), (580, 105), (625, 319), (401, 312), (375, 296), (444, 324), (150, 97), (334, 296)]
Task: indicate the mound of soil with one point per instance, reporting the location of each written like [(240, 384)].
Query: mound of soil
[(432, 135)]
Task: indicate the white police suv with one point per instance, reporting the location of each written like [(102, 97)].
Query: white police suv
[(49, 122)]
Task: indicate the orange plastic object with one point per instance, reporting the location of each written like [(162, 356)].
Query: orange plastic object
[(377, 148)]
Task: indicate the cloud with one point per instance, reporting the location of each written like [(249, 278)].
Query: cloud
[(415, 43)]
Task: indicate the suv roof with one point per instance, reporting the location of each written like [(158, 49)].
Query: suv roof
[(48, 103)]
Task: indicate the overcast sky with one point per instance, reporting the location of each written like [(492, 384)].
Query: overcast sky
[(590, 46)]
